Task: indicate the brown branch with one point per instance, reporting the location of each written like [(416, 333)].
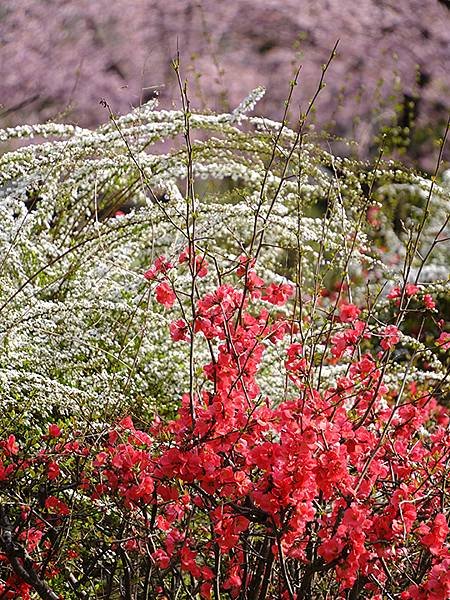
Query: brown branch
[(21, 563)]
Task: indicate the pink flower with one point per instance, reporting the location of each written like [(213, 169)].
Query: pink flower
[(411, 289), (443, 341), (394, 293), (165, 295), (429, 302)]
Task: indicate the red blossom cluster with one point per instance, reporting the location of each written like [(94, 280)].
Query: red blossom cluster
[(339, 490), (197, 263)]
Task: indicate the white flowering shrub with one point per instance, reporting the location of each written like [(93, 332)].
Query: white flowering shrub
[(84, 214)]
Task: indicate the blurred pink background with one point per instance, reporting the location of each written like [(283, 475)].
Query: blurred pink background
[(58, 58)]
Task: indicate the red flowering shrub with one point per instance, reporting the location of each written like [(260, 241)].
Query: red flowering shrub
[(331, 491)]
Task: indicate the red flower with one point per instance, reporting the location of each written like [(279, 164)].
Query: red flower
[(390, 336), (254, 284), (278, 294), (436, 535), (429, 302), (56, 505), (5, 472), (150, 275), (243, 465), (411, 289), (127, 423), (205, 590), (12, 447), (234, 580), (443, 341), (348, 313), (53, 471), (179, 331), (161, 558), (165, 295), (345, 340), (54, 431), (32, 537), (394, 293), (199, 265), (245, 262), (188, 562), (295, 360), (161, 265)]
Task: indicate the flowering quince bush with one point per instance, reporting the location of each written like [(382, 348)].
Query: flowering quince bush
[(326, 492), (85, 213), (304, 453)]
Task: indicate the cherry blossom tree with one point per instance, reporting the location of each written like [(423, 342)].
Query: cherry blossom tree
[(59, 58)]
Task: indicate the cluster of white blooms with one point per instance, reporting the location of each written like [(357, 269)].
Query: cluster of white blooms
[(84, 213)]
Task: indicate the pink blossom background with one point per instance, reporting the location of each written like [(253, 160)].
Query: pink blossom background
[(59, 57)]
